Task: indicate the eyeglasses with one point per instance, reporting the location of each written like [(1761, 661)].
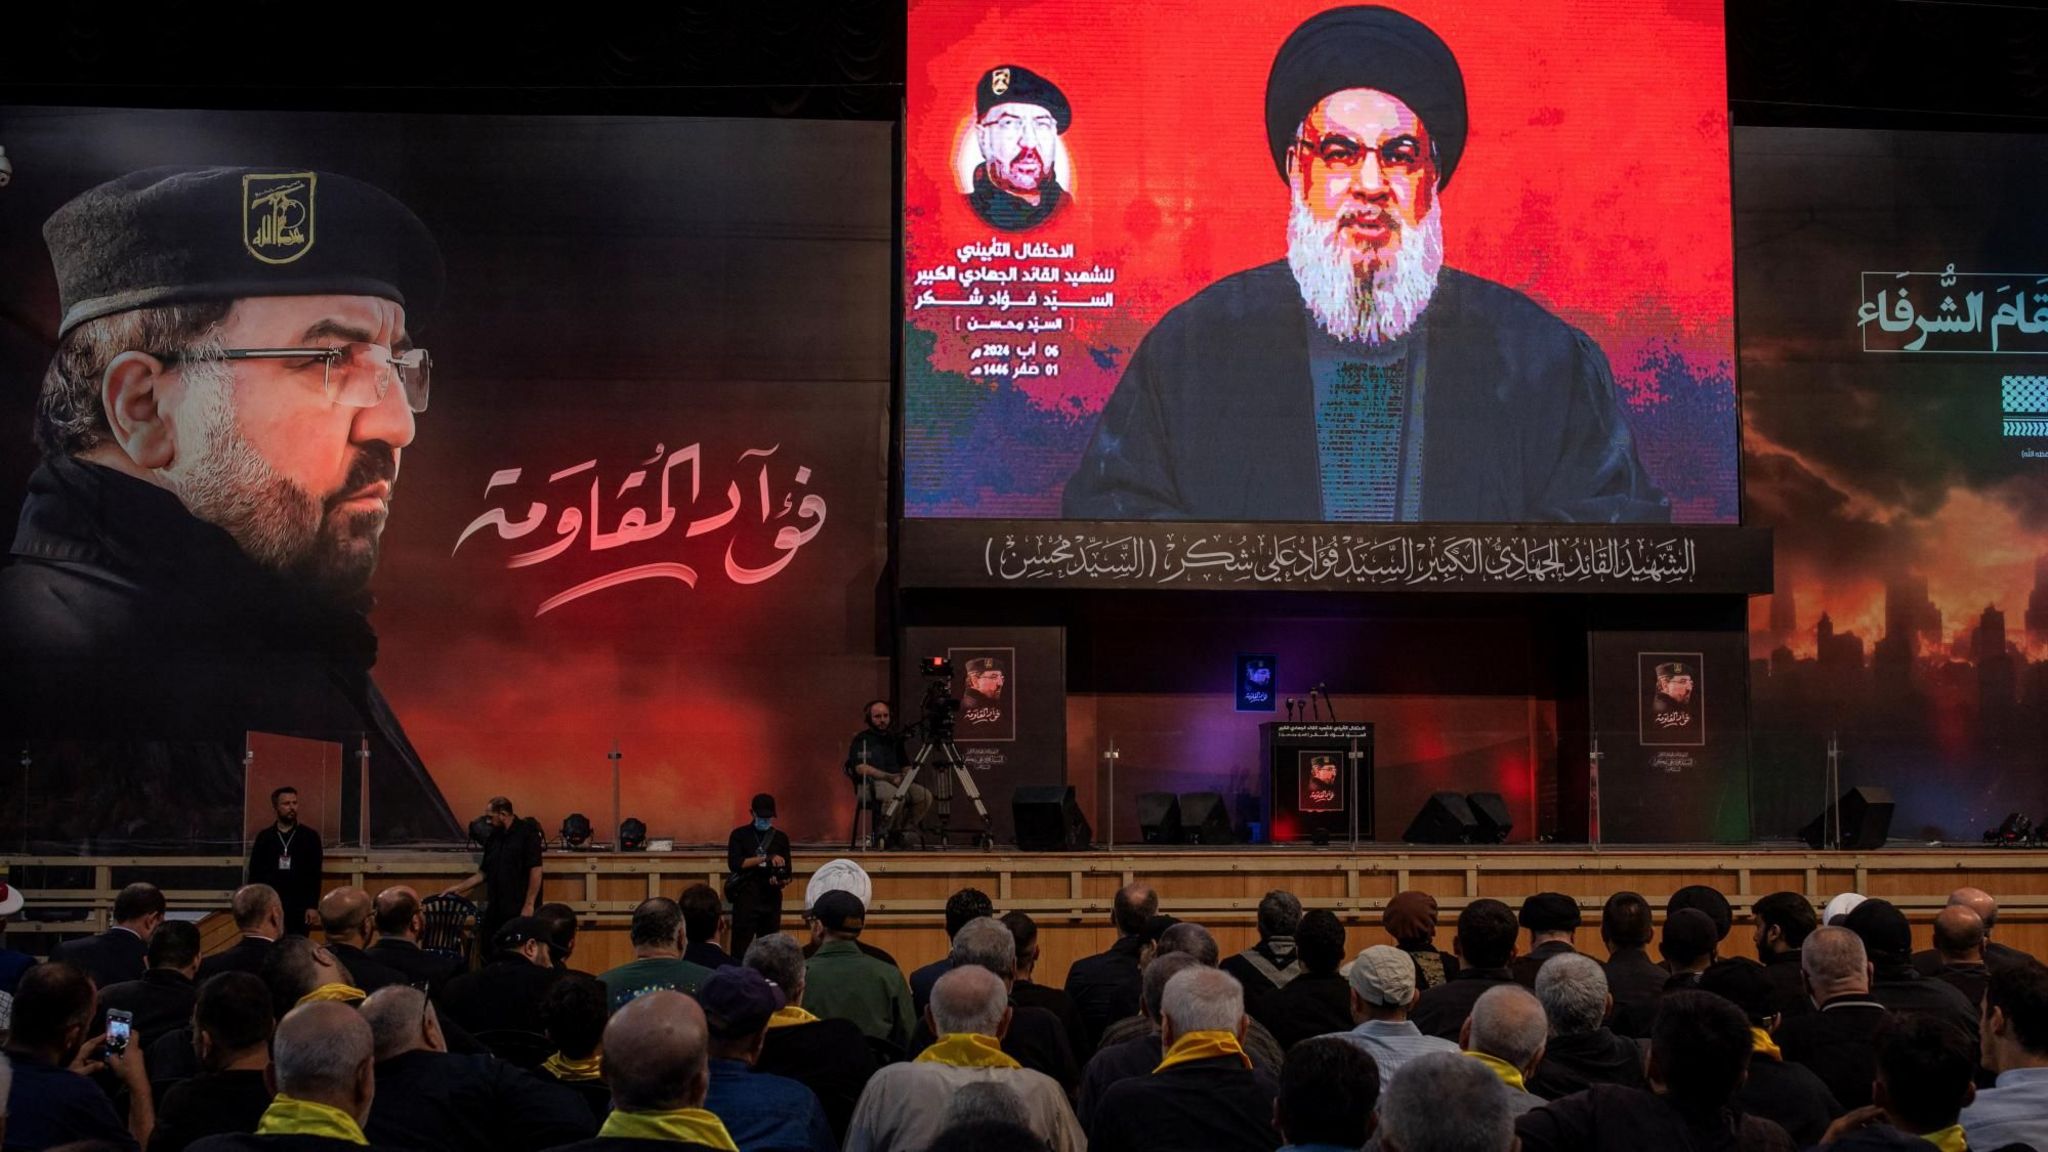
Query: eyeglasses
[(1399, 156), (357, 374), (1014, 125)]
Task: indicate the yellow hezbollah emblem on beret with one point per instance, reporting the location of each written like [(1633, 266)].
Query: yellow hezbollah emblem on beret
[(999, 81), (277, 215)]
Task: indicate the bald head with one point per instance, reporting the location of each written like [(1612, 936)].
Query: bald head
[(1979, 901), (401, 1020), (258, 911), (1508, 1024), (397, 912), (1134, 905), (1192, 939), (323, 1052), (655, 1056), (1835, 963), (345, 916), (972, 1000), (1959, 935)]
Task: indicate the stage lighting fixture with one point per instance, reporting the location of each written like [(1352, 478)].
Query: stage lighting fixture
[(576, 830), (2014, 831), (632, 835)]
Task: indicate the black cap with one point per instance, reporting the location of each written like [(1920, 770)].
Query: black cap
[(1688, 935), (518, 930), (1367, 47), (1885, 932), (1743, 983), (1708, 899), (1550, 912), (763, 805), (841, 912), (738, 1002), (1156, 926), (1009, 84), (1674, 669), (174, 235), (985, 664)]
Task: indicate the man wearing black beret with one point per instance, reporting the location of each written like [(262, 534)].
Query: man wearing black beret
[(1359, 379), (1019, 118), (1672, 708), (234, 382)]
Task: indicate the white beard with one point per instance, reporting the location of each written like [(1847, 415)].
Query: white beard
[(1369, 304)]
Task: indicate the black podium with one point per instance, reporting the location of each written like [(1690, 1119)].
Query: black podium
[(1318, 782)]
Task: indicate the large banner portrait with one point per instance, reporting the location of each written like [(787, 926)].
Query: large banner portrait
[(1434, 261), (500, 453), (1895, 440)]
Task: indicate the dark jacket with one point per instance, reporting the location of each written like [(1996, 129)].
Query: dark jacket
[(1215, 415), (415, 964), (246, 955), (366, 971), (830, 1057), (161, 1001), (159, 645), (1263, 970), (1576, 1063), (1312, 1004), (1791, 1094), (1996, 956), (1106, 987), (753, 886), (503, 994), (1441, 1011), (208, 1105), (1216, 1105), (245, 1142), (112, 957), (1610, 1118), (999, 209), (1788, 988), (1836, 1043), (48, 1105), (1525, 966), (1036, 1040), (1138, 1056), (1633, 979), (437, 1102), (1969, 979), (297, 887), (595, 1094), (1026, 994), (1900, 988)]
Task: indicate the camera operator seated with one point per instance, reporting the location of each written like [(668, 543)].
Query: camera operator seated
[(878, 766)]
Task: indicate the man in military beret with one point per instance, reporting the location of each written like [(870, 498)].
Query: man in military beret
[(984, 714), (1672, 709), (1019, 118), (1360, 379), (234, 383)]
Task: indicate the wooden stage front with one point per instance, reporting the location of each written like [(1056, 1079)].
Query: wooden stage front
[(1069, 894)]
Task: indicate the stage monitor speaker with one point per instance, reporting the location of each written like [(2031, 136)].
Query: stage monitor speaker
[(1205, 819), (1490, 809), (1445, 819), (1866, 815), (1159, 817), (1047, 819)]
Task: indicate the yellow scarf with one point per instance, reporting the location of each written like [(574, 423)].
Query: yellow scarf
[(967, 1050), (289, 1117), (792, 1015), (683, 1126), (1949, 1139), (570, 1071), (1203, 1046), (342, 993), (1508, 1073), (1760, 1042)]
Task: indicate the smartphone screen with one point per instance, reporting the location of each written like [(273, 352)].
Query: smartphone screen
[(118, 1026)]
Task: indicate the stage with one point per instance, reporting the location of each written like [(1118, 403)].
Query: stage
[(1069, 893)]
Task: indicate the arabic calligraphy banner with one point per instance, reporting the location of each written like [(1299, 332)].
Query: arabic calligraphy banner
[(1132, 292), (644, 511), (1443, 558)]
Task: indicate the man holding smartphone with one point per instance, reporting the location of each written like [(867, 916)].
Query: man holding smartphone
[(55, 1052)]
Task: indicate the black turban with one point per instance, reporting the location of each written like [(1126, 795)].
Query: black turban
[(1367, 47)]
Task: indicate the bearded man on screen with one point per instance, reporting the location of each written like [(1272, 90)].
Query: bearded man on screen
[(1359, 378)]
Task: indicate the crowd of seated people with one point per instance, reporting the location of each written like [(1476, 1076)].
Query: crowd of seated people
[(1821, 1028)]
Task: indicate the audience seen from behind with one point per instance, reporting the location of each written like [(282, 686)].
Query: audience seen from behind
[(1925, 1068), (843, 981), (1382, 988), (658, 1067), (1836, 1040), (1105, 987), (122, 951), (1552, 920), (1582, 1050), (323, 1067), (1266, 967), (1328, 1092), (504, 996), (1025, 992), (1141, 1053), (1996, 955), (1485, 942), (2014, 1049), (1776, 1089), (1783, 921), (657, 938), (1035, 1038), (1959, 942), (161, 1000), (1318, 1001), (828, 1055), (400, 922), (704, 921), (259, 916), (573, 1014), (1204, 1092), (961, 907), (1415, 1113), (231, 1027), (1506, 1034), (1633, 979), (347, 920), (55, 1046), (1688, 945), (1410, 918), (762, 1111)]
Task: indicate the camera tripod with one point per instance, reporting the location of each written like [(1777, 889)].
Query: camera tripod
[(942, 787)]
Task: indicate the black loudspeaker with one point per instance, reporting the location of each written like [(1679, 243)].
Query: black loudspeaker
[(1159, 817), (1047, 819), (1205, 819), (1445, 819), (1491, 811), (1866, 814)]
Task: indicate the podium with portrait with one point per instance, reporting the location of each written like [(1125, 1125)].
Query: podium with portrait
[(1318, 782)]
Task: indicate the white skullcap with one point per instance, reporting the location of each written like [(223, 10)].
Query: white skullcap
[(841, 875), (1841, 906)]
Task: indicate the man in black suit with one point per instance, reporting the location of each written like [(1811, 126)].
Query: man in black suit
[(1632, 977), (287, 856), (1551, 918), (1204, 1092), (1959, 939), (120, 953), (260, 915), (1996, 955), (345, 918), (1888, 940), (161, 1001), (399, 925), (1836, 1039), (1106, 987), (1485, 942)]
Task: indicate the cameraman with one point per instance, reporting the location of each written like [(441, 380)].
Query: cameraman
[(877, 760)]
